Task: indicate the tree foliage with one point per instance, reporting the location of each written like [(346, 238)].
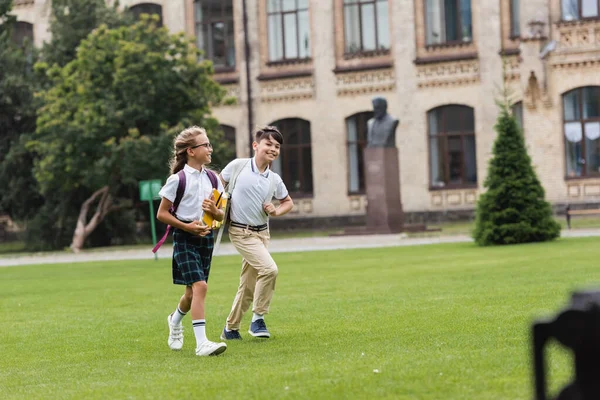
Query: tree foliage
[(110, 115), (17, 119), (513, 209), (71, 21)]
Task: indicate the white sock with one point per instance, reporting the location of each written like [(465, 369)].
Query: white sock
[(199, 331), (177, 316), (256, 316)]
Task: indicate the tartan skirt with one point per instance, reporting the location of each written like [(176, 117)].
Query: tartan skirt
[(192, 256)]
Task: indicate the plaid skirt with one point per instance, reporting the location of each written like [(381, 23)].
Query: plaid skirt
[(192, 256)]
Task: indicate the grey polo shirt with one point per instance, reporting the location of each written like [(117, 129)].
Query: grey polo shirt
[(250, 193)]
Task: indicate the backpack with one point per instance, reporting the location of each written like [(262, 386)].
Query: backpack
[(179, 195)]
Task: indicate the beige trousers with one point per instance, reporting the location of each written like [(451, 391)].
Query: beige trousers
[(257, 279)]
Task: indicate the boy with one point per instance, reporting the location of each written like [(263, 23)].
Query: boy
[(252, 186)]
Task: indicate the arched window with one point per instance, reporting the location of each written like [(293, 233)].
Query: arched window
[(229, 137), (214, 31), (452, 155), (580, 9), (22, 34), (147, 8), (581, 115), (356, 139), (295, 160)]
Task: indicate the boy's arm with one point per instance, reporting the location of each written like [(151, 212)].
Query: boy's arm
[(285, 206)]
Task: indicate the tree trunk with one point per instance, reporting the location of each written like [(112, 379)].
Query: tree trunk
[(84, 228)]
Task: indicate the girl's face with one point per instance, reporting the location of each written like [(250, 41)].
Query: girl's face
[(267, 149), (201, 151)]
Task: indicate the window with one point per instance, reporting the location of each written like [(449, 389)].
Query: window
[(22, 34), (517, 112), (229, 138), (214, 31), (581, 114), (580, 9), (289, 29), (356, 134), (448, 21), (295, 160), (515, 19), (366, 26), (452, 154), (147, 8)]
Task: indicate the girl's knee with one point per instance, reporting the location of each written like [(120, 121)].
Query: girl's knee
[(199, 286)]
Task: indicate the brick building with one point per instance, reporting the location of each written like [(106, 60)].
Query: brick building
[(312, 67)]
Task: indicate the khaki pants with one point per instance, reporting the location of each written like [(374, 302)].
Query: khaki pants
[(257, 279)]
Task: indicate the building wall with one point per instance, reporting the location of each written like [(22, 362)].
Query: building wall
[(414, 78)]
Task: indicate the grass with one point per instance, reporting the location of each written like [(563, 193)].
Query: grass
[(424, 322)]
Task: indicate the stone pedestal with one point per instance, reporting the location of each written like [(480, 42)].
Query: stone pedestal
[(384, 207)]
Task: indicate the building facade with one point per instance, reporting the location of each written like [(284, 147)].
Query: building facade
[(312, 67)]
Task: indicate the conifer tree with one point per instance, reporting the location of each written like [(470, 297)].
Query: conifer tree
[(513, 209)]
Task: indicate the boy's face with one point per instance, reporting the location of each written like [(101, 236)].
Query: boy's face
[(266, 149)]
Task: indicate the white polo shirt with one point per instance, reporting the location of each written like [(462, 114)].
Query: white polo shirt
[(197, 188), (250, 193)]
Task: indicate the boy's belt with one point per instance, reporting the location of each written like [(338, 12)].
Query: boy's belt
[(255, 228)]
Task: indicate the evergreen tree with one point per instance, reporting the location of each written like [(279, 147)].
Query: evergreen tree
[(513, 209)]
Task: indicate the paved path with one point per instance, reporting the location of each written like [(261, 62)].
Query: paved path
[(276, 246)]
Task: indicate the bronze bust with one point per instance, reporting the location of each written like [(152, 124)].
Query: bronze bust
[(382, 127)]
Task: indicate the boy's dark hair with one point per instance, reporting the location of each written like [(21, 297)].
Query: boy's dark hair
[(268, 132)]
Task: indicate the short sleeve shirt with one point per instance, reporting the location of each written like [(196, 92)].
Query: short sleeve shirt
[(251, 191), (197, 188)]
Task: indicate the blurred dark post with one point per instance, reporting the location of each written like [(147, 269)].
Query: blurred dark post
[(577, 328)]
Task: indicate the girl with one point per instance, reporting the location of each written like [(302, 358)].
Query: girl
[(192, 239)]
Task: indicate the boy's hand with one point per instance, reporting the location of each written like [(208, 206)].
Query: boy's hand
[(209, 205), (270, 209), (198, 228)]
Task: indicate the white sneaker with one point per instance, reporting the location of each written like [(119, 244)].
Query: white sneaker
[(209, 348), (175, 334)]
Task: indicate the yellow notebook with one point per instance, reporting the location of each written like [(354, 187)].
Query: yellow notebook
[(221, 202)]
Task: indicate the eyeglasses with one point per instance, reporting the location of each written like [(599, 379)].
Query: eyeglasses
[(207, 145)]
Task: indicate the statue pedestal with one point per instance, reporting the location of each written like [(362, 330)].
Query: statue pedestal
[(384, 207)]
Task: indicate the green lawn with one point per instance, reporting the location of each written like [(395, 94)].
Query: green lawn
[(424, 322)]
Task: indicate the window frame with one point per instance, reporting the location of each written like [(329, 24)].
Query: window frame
[(361, 51), (297, 149), (580, 17), (228, 21), (147, 3), (459, 27), (361, 144), (442, 134), (515, 30), (517, 112), (582, 121), (285, 59)]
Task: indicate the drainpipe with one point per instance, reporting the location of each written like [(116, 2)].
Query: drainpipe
[(249, 103)]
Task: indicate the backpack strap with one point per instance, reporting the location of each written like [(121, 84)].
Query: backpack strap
[(173, 209), (212, 176), (237, 167)]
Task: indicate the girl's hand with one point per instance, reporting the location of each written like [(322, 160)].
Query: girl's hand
[(198, 228), (270, 209), (209, 205)]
